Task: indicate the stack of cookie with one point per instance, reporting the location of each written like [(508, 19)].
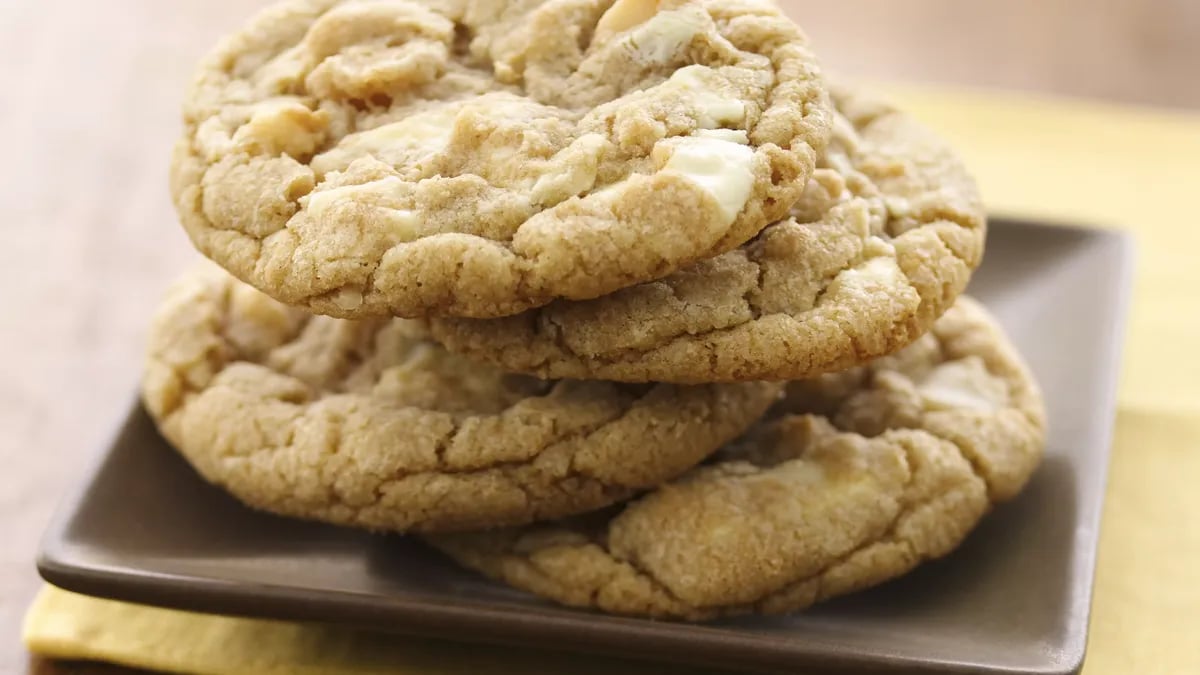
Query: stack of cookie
[(619, 302)]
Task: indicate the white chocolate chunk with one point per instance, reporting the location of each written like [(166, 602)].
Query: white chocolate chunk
[(399, 224), (213, 139), (881, 271), (712, 109), (282, 126), (723, 169), (425, 130), (877, 246), (664, 35), (963, 385), (623, 15), (570, 172), (318, 203), (403, 142), (738, 136), (348, 299), (898, 207), (274, 126)]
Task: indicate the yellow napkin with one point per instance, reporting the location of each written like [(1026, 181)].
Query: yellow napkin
[(67, 625), (1075, 161)]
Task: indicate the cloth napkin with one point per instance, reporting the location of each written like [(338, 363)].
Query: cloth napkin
[(1075, 161)]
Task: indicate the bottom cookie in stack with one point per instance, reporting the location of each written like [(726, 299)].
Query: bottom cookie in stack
[(855, 478), (369, 424)]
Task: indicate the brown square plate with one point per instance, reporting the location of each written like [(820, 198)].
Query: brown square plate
[(1014, 598)]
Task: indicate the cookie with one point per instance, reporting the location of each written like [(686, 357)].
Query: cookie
[(481, 157), (856, 479), (371, 425), (887, 235)]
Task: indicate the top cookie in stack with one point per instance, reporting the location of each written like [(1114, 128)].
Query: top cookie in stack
[(478, 158)]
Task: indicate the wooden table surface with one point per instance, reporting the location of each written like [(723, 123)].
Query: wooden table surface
[(89, 97)]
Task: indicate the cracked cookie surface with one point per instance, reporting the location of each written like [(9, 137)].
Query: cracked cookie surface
[(855, 478), (887, 235), (480, 157), (370, 424)]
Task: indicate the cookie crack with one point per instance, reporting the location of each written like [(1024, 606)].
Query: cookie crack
[(517, 474), (751, 297), (652, 578), (1000, 365), (554, 331), (889, 535), (974, 462)]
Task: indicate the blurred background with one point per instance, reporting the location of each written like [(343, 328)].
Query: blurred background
[(89, 100), (1135, 51)]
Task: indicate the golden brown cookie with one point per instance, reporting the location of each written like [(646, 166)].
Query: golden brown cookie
[(371, 425), (860, 477), (481, 157), (887, 235)]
